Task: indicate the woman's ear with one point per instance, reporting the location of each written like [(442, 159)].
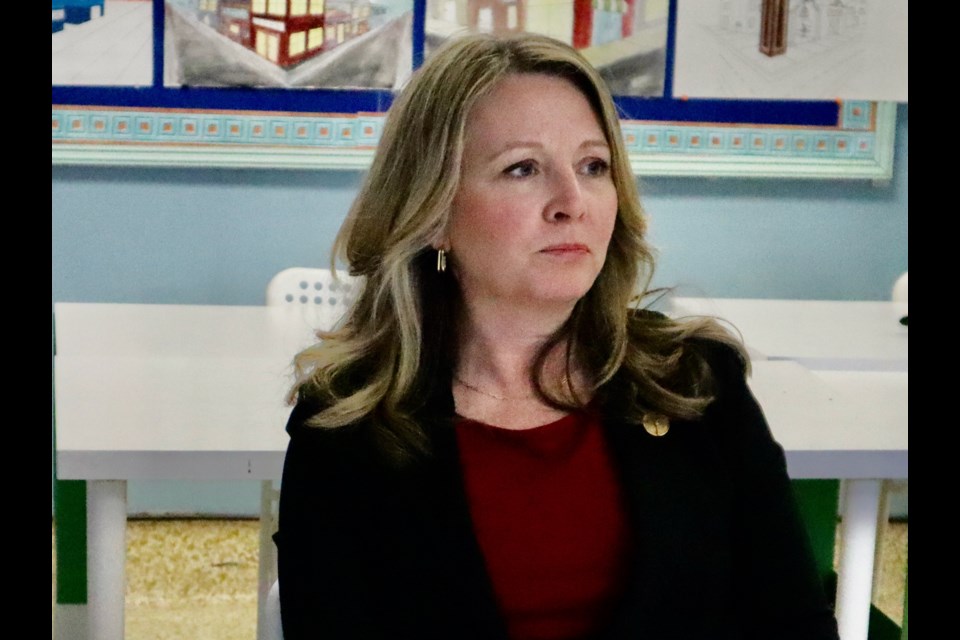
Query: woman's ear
[(441, 241), (439, 236)]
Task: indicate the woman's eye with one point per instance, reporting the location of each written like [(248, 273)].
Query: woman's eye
[(521, 169), (596, 167)]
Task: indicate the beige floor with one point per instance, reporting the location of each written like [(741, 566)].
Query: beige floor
[(197, 579)]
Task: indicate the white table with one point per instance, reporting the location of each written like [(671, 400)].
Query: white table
[(162, 392), (859, 348), (852, 335), (173, 391), (196, 392)]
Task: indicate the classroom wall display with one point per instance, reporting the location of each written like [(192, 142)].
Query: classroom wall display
[(792, 49), (258, 102), (625, 39), (357, 44), (102, 42)]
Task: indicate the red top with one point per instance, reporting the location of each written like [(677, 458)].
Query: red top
[(550, 519)]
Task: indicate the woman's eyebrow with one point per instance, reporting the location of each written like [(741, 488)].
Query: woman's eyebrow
[(534, 144)]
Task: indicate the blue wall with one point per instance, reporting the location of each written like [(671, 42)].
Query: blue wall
[(216, 236)]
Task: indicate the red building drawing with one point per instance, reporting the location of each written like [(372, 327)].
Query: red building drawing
[(288, 32)]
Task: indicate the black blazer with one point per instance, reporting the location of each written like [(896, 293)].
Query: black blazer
[(368, 551)]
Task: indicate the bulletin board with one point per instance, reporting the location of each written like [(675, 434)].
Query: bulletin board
[(155, 123)]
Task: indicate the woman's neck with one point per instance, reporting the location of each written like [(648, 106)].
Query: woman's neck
[(497, 349), (494, 386)]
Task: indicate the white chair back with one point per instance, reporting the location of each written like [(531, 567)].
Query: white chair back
[(322, 296), (899, 293)]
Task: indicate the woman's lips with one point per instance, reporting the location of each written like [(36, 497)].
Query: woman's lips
[(566, 248)]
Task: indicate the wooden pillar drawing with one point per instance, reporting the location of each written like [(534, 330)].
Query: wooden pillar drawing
[(773, 27)]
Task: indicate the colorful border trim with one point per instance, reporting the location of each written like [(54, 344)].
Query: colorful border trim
[(860, 146)]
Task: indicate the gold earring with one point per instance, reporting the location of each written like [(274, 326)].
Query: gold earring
[(441, 260)]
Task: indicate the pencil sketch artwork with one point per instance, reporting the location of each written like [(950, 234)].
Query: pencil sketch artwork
[(341, 44), (102, 42), (792, 49), (625, 39)]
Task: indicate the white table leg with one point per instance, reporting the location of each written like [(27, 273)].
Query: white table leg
[(858, 539), (269, 495), (106, 558)]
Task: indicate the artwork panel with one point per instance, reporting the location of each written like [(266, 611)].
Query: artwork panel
[(625, 39), (295, 44), (792, 50), (102, 43)]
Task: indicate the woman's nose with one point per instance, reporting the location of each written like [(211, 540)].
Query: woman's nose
[(566, 200)]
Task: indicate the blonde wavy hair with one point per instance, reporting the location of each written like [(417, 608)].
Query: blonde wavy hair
[(377, 363)]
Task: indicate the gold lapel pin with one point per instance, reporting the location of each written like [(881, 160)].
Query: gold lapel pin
[(656, 424)]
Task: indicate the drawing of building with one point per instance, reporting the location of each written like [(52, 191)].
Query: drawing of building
[(580, 23), (208, 14), (59, 15), (805, 20), (598, 22), (589, 22), (288, 32), (234, 20), (773, 27), (496, 16), (79, 11), (346, 19)]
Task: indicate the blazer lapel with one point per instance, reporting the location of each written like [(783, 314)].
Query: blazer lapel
[(675, 503), (465, 591)]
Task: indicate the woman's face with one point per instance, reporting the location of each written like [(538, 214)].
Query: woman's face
[(536, 205)]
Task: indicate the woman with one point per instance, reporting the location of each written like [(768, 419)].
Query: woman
[(491, 445)]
